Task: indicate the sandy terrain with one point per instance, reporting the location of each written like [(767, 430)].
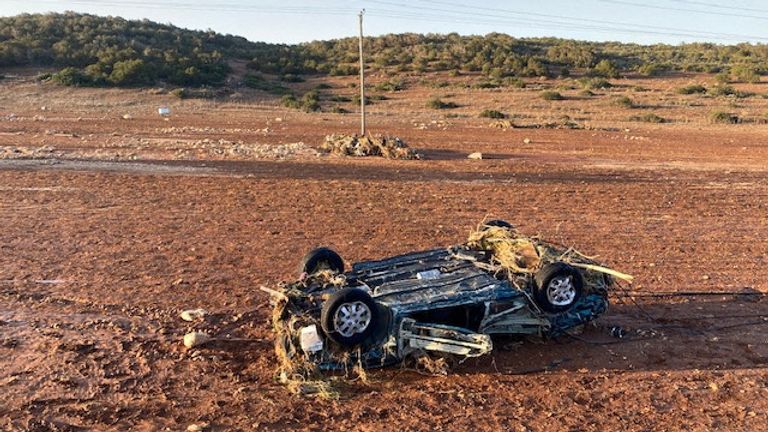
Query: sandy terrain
[(111, 226)]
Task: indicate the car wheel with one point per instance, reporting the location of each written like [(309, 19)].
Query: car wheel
[(319, 259), (557, 287), (349, 317), (498, 223)]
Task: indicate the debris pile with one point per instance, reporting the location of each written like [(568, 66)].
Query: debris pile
[(520, 255), (502, 124), (355, 145), (13, 152)]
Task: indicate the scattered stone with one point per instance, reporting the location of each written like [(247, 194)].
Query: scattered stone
[(475, 156), (194, 339), (198, 427), (194, 314), (127, 116), (527, 141)]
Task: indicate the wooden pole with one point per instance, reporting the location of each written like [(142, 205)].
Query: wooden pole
[(362, 78)]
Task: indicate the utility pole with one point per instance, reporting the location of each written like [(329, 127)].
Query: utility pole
[(362, 78)]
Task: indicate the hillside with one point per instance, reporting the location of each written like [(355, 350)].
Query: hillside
[(110, 51)]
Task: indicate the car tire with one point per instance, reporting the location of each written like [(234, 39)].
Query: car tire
[(498, 223), (349, 317), (321, 258), (557, 287)]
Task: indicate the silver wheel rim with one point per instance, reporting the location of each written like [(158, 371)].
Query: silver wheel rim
[(352, 318), (560, 291)]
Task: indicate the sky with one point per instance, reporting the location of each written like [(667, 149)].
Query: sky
[(639, 21)]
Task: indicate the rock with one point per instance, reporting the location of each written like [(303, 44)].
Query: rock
[(194, 339), (127, 116), (527, 141), (475, 155), (705, 277), (198, 427), (194, 314), (713, 387)]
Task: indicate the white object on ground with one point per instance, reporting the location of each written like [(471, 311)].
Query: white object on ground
[(194, 339), (310, 340)]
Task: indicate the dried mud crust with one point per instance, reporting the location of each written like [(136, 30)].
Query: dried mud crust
[(96, 262), (96, 266)]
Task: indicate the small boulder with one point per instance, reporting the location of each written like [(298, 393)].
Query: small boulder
[(194, 314), (475, 156), (195, 339), (527, 141)]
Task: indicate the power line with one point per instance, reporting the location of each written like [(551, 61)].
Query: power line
[(467, 17), (602, 22), (697, 11), (718, 6)]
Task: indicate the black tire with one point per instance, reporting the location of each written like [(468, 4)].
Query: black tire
[(557, 287), (498, 223), (354, 299), (321, 258)]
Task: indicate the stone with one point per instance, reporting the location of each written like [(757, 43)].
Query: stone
[(475, 156), (194, 314), (195, 339), (527, 141)]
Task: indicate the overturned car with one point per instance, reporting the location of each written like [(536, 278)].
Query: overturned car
[(443, 302)]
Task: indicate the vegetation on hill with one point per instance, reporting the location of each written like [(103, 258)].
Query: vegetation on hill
[(108, 51)]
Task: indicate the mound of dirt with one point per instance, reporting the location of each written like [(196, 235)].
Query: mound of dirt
[(379, 145)]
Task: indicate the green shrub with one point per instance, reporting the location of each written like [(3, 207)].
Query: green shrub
[(343, 70), (340, 98), (339, 110), (605, 69), (726, 90), (745, 73), (290, 101), (624, 101), (291, 78), (595, 83), (652, 69), (551, 95), (723, 117), (586, 93), (692, 89), (258, 82), (356, 99), (492, 114), (45, 76), (180, 93), (310, 101), (70, 77), (723, 77), (648, 118), (437, 103), (390, 86), (514, 82), (323, 86), (485, 85)]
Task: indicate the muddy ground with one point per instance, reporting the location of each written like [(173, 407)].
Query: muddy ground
[(105, 238)]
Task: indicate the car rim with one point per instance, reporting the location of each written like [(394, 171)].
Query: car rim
[(352, 318), (560, 291)]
